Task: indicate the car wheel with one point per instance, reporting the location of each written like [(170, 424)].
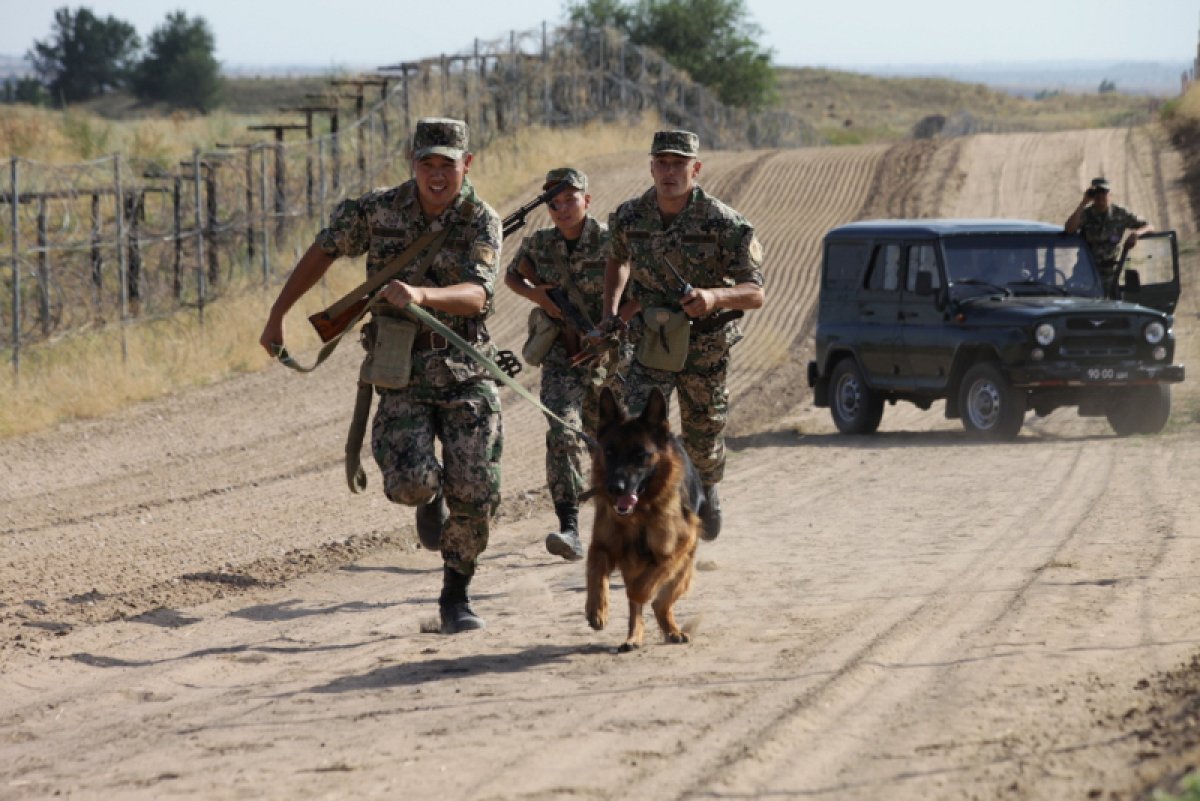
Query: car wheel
[(1140, 410), (856, 408), (991, 408)]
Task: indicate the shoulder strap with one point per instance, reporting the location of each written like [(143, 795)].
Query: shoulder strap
[(390, 270)]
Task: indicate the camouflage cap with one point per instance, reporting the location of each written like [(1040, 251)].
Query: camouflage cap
[(567, 175), (440, 136), (1100, 184), (683, 143)]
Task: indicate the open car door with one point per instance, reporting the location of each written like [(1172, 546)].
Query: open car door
[(1155, 263)]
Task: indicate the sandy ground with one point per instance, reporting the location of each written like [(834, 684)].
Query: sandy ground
[(193, 606)]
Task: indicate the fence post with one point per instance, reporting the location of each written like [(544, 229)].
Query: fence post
[(321, 188), (250, 205), (133, 270), (262, 195), (545, 78), (200, 287), (122, 266), (177, 228), (14, 199), (210, 201), (97, 259), (43, 268)]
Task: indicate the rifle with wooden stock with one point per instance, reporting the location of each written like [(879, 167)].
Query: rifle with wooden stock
[(333, 321)]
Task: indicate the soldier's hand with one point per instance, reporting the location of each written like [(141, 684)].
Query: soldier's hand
[(699, 302), (272, 336), (548, 305), (401, 294)]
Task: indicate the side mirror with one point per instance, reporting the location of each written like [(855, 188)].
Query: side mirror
[(1133, 281), (924, 286)]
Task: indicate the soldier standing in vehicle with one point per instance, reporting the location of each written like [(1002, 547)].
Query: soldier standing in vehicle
[(566, 261), (1102, 225), (686, 257), (433, 391)]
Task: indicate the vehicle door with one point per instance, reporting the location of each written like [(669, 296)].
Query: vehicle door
[(923, 320), (879, 346), (1155, 260)]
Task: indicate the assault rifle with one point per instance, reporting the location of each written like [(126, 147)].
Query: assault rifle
[(516, 221), (334, 320), (576, 327)]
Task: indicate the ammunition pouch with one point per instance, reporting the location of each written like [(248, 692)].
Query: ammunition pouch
[(389, 344), (664, 341), (543, 333)]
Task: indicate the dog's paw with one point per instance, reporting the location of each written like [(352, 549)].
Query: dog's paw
[(627, 646), (678, 637), (597, 618)]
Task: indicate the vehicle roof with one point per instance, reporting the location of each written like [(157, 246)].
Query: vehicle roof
[(932, 229)]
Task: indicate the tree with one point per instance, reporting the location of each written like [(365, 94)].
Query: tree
[(85, 56), (179, 67), (712, 40)]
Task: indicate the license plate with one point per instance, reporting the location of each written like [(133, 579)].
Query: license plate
[(1106, 374)]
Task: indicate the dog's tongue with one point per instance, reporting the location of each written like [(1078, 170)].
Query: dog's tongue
[(626, 503)]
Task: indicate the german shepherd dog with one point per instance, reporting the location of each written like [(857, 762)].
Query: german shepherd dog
[(647, 524)]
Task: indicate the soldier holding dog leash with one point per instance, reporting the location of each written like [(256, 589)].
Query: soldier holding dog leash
[(693, 265), (446, 242)]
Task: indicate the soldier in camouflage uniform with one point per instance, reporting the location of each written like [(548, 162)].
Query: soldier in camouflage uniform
[(573, 249), (448, 397), (1103, 224), (676, 224)]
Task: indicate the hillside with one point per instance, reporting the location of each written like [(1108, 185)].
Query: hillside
[(853, 108)]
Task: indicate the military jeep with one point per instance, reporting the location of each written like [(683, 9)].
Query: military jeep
[(996, 317)]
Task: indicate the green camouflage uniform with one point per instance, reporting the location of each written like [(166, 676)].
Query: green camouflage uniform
[(1103, 233), (712, 246), (449, 396), (570, 392)]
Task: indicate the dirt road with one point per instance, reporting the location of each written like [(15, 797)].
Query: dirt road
[(192, 604)]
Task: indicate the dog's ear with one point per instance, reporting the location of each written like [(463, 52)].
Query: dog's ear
[(655, 413), (610, 410)]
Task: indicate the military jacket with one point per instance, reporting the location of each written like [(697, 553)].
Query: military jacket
[(384, 222), (710, 244), (1103, 231), (546, 250)]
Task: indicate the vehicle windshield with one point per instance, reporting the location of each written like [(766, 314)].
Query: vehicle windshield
[(1020, 264)]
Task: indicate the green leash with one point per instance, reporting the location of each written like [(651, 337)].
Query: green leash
[(493, 369)]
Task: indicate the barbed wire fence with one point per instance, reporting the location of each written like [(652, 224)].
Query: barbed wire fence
[(119, 239)]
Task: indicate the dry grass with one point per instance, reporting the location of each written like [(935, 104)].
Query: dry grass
[(82, 375)]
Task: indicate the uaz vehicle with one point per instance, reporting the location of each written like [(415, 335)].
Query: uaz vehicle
[(995, 317)]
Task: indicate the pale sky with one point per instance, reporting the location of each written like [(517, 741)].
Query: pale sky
[(359, 33)]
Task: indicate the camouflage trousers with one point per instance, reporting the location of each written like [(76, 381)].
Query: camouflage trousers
[(465, 418), (569, 393), (703, 400)]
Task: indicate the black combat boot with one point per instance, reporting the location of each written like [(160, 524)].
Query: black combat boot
[(455, 609), (430, 519), (565, 542), (710, 514)]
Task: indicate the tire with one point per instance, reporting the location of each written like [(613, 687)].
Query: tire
[(1140, 410), (992, 410), (855, 407)]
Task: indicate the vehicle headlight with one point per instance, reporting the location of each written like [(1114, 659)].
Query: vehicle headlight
[(1044, 334), (1154, 332)]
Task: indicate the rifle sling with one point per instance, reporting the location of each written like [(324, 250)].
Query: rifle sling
[(389, 271), (356, 477)]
